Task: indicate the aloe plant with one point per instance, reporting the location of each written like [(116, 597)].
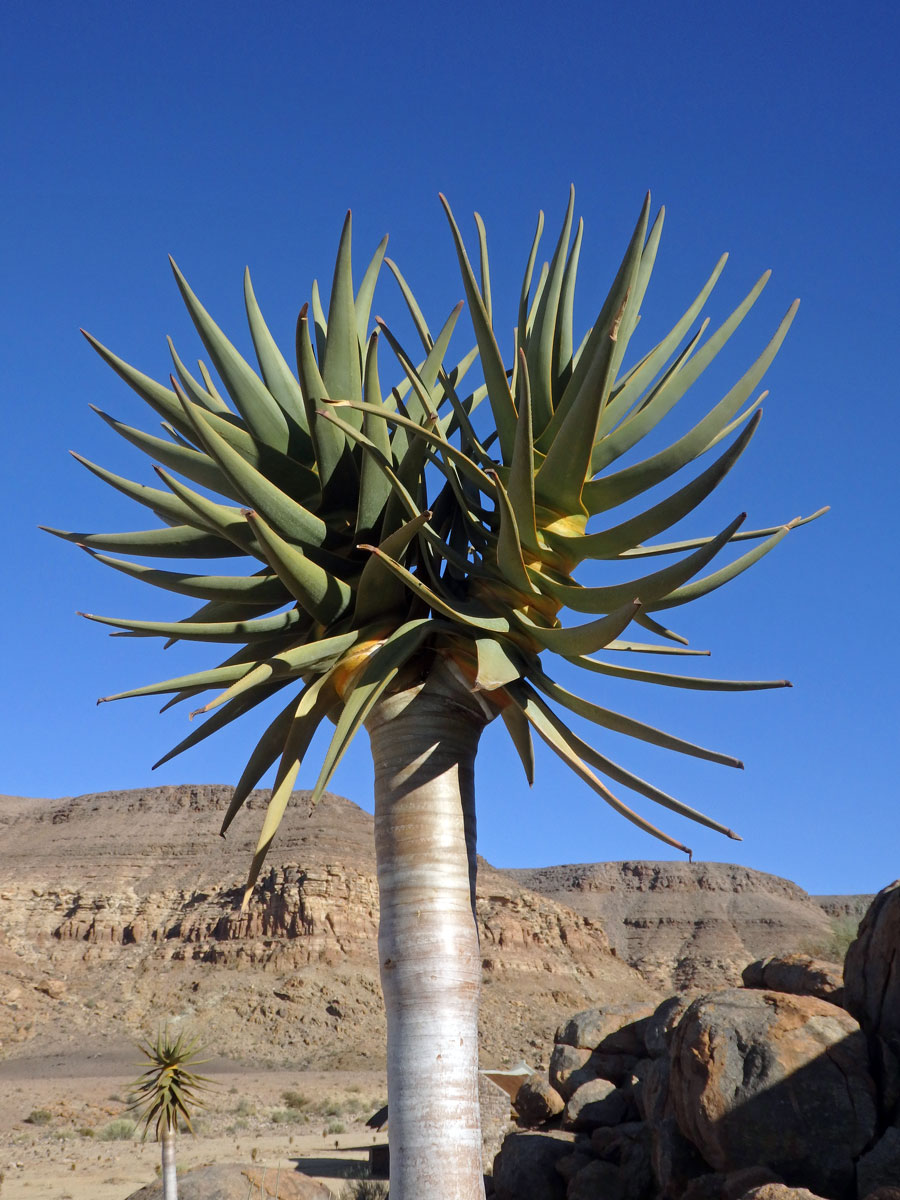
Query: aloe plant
[(409, 554), (164, 1095)]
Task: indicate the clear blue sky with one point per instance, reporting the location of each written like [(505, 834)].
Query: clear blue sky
[(227, 135)]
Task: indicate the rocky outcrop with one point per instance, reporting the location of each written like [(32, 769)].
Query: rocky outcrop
[(684, 925), (739, 1094), (872, 992)]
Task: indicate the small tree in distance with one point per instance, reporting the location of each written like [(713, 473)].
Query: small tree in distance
[(165, 1095), (410, 555)]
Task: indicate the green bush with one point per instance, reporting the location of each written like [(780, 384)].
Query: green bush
[(294, 1099), (286, 1116), (121, 1130), (39, 1116)]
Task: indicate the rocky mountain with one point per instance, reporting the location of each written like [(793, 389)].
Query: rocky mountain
[(120, 910), (691, 925)]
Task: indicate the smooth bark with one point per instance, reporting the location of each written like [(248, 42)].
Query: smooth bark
[(169, 1177), (424, 742)]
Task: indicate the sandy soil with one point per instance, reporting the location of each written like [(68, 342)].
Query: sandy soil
[(55, 1114)]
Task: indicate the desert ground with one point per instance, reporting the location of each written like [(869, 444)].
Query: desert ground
[(58, 1111)]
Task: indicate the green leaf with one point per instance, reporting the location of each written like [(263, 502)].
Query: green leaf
[(328, 443), (581, 639), (709, 583), (291, 518), (539, 353), (520, 481), (563, 342), (211, 401), (629, 391), (491, 362), (413, 306), (619, 723), (498, 664), (742, 536), (374, 487), (264, 754), (690, 682), (162, 399), (460, 612), (321, 594), (594, 364), (609, 543), (250, 395), (278, 376), (648, 589), (560, 746), (341, 368), (621, 775), (509, 547), (520, 735), (624, 485), (379, 591), (218, 631), (364, 296), (178, 541), (193, 464), (167, 507), (263, 589), (222, 519), (313, 706), (521, 328), (222, 717)]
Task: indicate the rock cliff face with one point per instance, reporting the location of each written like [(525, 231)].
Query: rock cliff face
[(687, 925), (120, 910)]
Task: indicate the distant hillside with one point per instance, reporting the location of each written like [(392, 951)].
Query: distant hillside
[(688, 925)]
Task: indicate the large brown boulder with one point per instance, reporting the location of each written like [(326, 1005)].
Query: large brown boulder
[(761, 1077), (872, 992)]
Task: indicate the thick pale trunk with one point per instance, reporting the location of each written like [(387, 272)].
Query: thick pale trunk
[(169, 1178), (423, 743)]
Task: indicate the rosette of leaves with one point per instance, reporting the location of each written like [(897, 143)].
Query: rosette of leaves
[(384, 529), (164, 1095)]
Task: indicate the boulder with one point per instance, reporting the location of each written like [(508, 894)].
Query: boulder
[(765, 1077), (612, 1029), (231, 1181), (652, 1095), (779, 1191), (730, 1186), (872, 992), (629, 1148), (597, 1102), (596, 1179), (567, 1068), (798, 975), (661, 1025), (879, 1168), (676, 1161), (525, 1168), (537, 1101)]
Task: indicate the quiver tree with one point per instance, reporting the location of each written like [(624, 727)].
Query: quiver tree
[(409, 555), (165, 1094)]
